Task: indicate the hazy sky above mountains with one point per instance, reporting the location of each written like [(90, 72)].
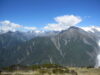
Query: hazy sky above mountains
[(48, 14)]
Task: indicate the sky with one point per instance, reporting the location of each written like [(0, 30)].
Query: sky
[(48, 14)]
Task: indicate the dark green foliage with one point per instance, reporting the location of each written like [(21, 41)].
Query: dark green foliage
[(50, 66), (73, 72), (34, 67), (60, 70), (42, 71), (89, 67), (44, 68), (16, 67)]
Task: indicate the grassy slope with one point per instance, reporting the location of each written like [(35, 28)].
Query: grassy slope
[(87, 71), (49, 71)]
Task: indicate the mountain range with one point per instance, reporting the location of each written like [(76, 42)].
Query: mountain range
[(71, 47)]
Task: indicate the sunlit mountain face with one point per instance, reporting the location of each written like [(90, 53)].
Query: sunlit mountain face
[(71, 47)]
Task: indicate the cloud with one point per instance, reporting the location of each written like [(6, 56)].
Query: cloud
[(6, 26), (91, 28), (63, 22), (30, 28)]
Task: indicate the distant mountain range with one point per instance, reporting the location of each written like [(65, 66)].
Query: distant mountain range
[(71, 47)]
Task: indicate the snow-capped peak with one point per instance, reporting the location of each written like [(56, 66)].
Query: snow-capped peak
[(91, 29)]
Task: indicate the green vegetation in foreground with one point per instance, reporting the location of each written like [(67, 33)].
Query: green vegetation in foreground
[(48, 69)]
